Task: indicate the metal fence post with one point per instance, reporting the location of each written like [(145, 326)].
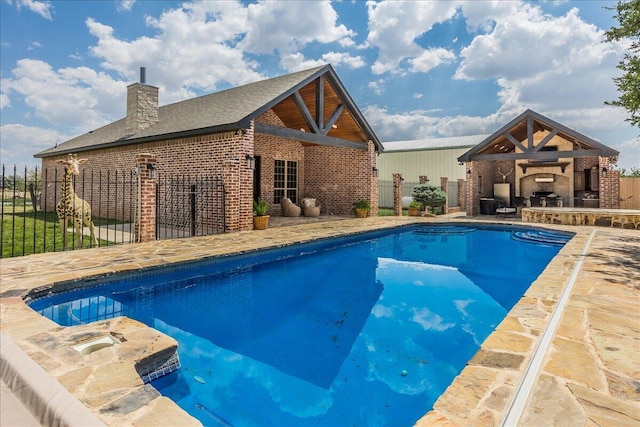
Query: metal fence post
[(192, 202)]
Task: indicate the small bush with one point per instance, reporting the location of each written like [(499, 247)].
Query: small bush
[(429, 195)]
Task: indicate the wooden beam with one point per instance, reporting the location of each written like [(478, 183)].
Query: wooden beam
[(306, 114), (530, 132), (516, 142), (312, 138), (334, 117), (540, 156), (546, 139), (320, 103)]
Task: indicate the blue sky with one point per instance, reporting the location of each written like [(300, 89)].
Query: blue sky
[(417, 69)]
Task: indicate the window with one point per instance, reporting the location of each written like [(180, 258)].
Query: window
[(285, 180)]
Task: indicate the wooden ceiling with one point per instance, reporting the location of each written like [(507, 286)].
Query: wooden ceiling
[(520, 132), (343, 127)]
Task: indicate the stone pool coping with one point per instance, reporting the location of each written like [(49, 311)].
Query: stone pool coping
[(585, 380)]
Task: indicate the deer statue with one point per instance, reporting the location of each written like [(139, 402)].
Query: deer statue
[(71, 206)]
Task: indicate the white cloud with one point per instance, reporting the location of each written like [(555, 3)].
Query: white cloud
[(125, 5), (546, 63), (377, 86), (431, 58), (42, 8), (631, 150), (79, 99), (394, 27), (4, 101), (287, 26), (18, 143), (192, 51), (402, 125), (34, 45)]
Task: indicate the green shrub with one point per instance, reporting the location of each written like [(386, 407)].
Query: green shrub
[(429, 195), (260, 207)]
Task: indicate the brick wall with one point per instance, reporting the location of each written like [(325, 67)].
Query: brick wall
[(200, 155), (335, 176), (609, 185), (272, 148)]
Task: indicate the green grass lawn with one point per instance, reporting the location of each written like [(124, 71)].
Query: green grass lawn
[(25, 232), (390, 212)]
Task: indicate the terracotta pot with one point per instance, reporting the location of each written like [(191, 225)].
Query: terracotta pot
[(361, 213), (414, 211), (260, 222)]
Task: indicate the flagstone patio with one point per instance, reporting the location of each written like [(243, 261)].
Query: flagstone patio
[(589, 373)]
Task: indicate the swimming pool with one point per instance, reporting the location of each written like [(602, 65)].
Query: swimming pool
[(367, 330)]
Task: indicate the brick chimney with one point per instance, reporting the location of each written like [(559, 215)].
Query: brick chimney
[(142, 105)]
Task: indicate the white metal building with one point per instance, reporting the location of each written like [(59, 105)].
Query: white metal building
[(432, 157)]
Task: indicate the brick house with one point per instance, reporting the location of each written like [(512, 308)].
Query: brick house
[(296, 135), (535, 160)]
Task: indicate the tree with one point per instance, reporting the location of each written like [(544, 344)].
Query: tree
[(429, 195), (628, 15), (633, 172)]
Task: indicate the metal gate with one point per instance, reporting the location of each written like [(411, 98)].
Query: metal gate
[(189, 206)]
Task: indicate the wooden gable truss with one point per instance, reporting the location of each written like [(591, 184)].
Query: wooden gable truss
[(519, 135), (320, 112)]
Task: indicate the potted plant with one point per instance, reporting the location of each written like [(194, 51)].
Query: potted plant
[(260, 217), (361, 207), (414, 208)]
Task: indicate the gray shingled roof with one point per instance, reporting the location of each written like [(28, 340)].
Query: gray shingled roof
[(226, 108), (433, 143)]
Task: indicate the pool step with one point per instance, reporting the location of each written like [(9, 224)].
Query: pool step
[(545, 237), (443, 230)]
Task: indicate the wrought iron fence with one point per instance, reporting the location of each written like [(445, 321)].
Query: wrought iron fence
[(185, 206), (31, 225), (189, 206)]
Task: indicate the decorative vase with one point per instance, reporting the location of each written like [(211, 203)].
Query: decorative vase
[(260, 222)]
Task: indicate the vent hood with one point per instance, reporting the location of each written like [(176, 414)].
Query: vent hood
[(544, 178)]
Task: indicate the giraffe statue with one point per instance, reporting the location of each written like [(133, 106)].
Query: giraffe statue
[(71, 206)]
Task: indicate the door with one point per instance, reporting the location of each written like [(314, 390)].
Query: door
[(256, 178)]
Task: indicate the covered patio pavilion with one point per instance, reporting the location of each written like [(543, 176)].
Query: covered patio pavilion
[(534, 161)]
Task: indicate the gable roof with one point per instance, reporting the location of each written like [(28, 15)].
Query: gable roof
[(501, 145), (433, 143), (229, 110)]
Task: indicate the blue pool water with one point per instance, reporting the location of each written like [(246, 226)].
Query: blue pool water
[(366, 330)]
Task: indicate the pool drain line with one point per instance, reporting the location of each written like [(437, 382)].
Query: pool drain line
[(524, 388)]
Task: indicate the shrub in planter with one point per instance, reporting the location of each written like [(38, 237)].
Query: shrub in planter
[(414, 208), (361, 208), (260, 218), (429, 195)]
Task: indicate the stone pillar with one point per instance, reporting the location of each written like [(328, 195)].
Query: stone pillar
[(609, 185), (462, 191), (444, 186), (397, 193), (422, 179), (145, 227)]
